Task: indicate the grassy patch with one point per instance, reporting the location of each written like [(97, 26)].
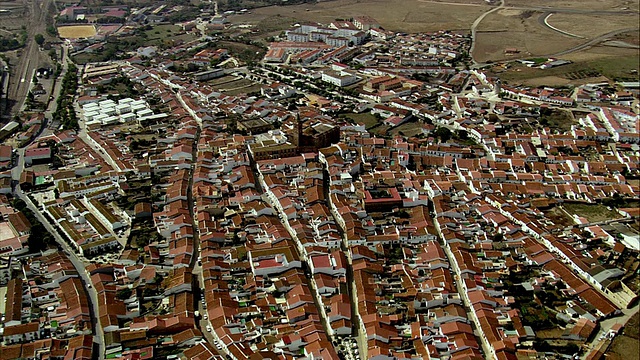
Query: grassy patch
[(243, 52), (539, 61), (619, 68), (559, 217), (244, 90), (592, 212), (273, 24), (235, 84)]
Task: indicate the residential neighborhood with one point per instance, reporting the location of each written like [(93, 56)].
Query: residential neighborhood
[(342, 192)]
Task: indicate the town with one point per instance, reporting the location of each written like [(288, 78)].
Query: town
[(173, 189)]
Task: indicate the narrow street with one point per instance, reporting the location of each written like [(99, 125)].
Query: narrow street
[(17, 170), (487, 349), (357, 332), (80, 268), (304, 260)]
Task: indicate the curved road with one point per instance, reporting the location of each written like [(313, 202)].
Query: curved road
[(594, 41), (475, 25), (547, 11), (544, 21)]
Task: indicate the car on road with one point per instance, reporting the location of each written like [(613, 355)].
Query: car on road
[(208, 328)]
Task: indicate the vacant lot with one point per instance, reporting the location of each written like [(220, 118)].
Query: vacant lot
[(76, 31), (407, 129), (160, 33), (558, 217), (593, 213), (395, 15), (239, 86), (625, 347), (557, 120), (368, 119)]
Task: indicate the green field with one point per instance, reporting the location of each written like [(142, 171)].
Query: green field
[(158, 34)]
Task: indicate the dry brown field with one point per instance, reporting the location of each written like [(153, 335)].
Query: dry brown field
[(76, 31), (590, 26), (574, 4), (395, 15)]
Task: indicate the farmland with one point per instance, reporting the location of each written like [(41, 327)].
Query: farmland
[(76, 31)]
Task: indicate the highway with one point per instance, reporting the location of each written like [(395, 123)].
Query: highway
[(594, 41)]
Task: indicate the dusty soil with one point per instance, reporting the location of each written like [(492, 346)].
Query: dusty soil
[(590, 26), (571, 4), (395, 15), (76, 31), (625, 347)]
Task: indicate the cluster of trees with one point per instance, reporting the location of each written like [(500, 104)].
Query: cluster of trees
[(10, 43), (39, 239), (65, 113)]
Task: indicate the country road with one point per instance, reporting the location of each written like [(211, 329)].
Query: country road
[(594, 41), (475, 25), (543, 21)]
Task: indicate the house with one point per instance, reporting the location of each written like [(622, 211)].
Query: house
[(22, 333), (37, 156), (339, 78), (5, 153)]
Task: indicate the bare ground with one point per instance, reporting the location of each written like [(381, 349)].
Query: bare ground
[(395, 15)]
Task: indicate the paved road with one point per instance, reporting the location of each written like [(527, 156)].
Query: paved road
[(475, 25), (544, 21), (488, 350), (80, 268), (77, 263), (594, 41), (48, 126)]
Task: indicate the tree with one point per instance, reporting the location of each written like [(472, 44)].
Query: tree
[(124, 294), (443, 133), (39, 38)]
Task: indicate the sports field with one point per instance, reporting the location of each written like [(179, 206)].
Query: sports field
[(76, 31)]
